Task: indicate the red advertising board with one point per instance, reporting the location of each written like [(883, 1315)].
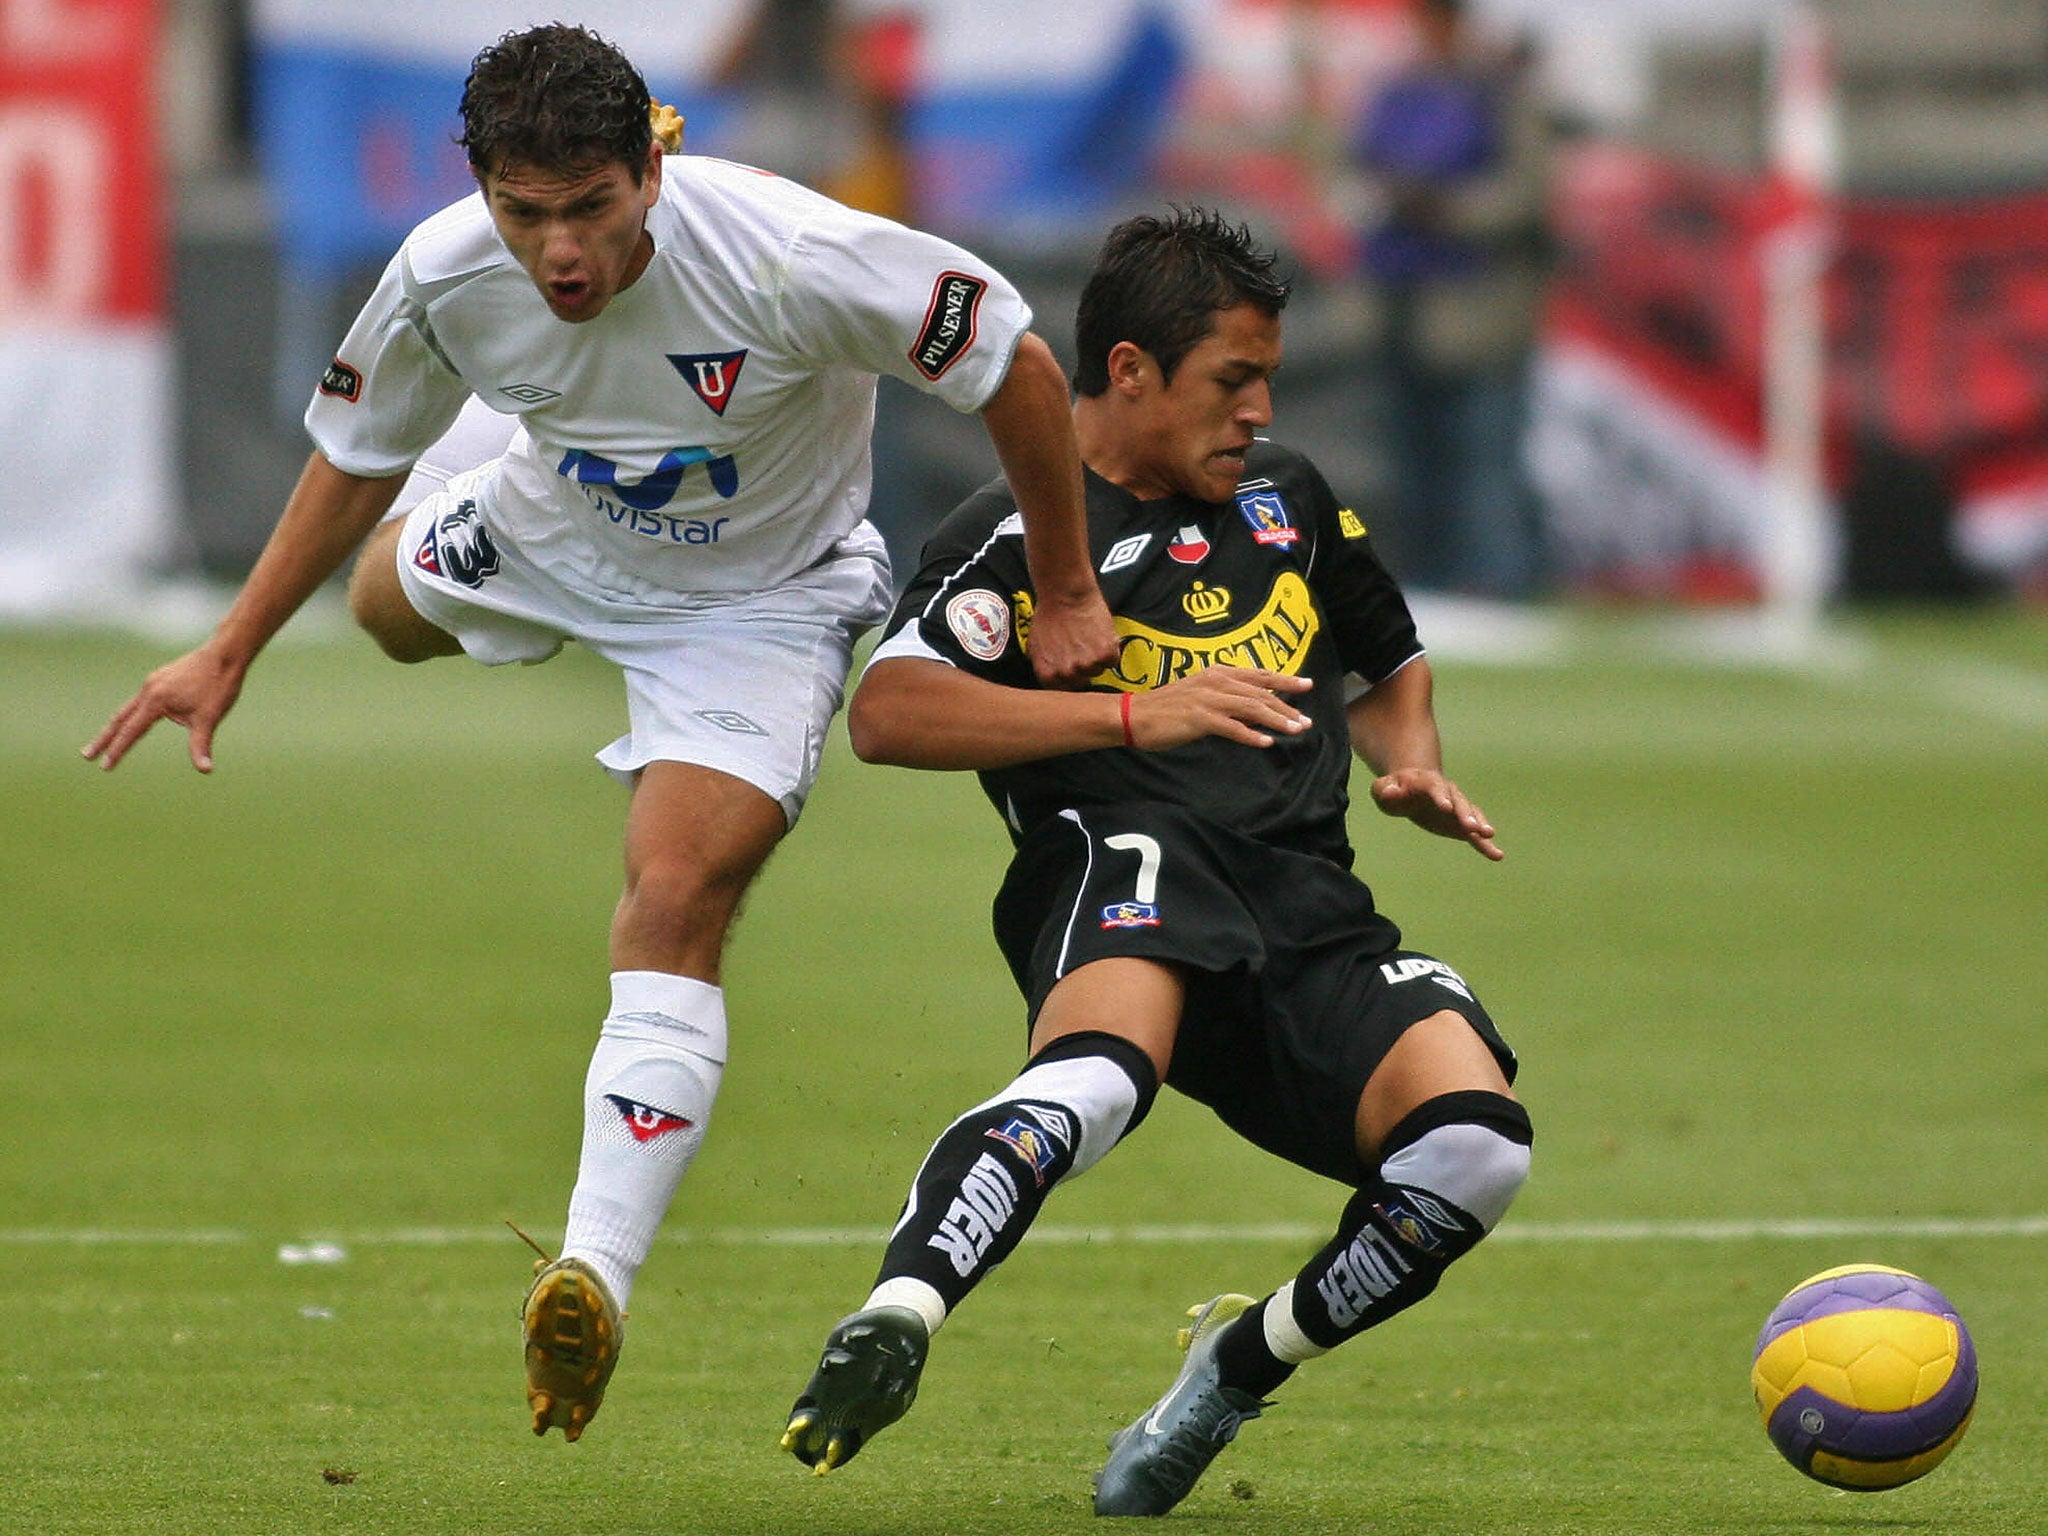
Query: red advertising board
[(1937, 311), (80, 200)]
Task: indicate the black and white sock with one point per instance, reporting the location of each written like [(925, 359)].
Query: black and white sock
[(986, 1177), (1451, 1170)]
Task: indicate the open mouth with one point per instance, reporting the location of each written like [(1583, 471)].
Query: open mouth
[(568, 292)]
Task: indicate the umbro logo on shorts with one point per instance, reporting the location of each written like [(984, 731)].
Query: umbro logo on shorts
[(732, 720)]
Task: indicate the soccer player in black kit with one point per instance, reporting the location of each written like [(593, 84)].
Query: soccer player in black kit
[(1180, 907)]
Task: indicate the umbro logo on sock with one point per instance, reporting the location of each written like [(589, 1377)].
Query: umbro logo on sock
[(644, 1121)]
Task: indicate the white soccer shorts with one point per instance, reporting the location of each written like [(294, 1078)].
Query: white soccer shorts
[(743, 683)]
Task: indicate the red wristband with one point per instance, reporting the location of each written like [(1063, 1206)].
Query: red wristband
[(1124, 711)]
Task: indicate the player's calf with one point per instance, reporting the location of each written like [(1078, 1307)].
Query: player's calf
[(1451, 1169), (986, 1178), (977, 1193)]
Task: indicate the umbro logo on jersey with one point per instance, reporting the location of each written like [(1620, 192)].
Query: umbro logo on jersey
[(644, 1121), (1422, 968), (1124, 552), (530, 394), (342, 382), (1188, 546), (713, 375), (1266, 512)]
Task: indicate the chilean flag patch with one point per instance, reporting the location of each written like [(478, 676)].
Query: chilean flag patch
[(646, 1122), (1188, 546)]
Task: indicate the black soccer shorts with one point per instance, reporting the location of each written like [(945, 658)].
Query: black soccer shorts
[(1297, 987)]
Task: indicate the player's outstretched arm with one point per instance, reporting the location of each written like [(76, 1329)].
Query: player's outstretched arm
[(1031, 423), (329, 514), (1393, 728), (915, 713)]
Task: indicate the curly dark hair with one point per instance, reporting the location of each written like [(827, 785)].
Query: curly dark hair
[(555, 97), (1159, 284)]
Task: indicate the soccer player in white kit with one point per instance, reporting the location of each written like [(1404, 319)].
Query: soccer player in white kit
[(690, 349)]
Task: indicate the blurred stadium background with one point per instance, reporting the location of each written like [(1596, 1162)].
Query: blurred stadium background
[(197, 192), (1769, 936)]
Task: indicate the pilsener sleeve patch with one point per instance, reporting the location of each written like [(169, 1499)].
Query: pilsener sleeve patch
[(980, 621), (949, 323), (342, 381)]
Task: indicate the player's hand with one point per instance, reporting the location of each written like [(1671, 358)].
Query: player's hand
[(1071, 640), (194, 691), (1237, 703), (1436, 805)]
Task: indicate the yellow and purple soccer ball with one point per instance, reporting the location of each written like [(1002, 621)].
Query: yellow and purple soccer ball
[(1865, 1377)]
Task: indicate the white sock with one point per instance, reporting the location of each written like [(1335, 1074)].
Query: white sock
[(913, 1295), (646, 1100), (1284, 1337)]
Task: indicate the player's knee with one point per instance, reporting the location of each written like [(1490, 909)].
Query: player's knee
[(1104, 1083), (677, 894), (1471, 1149), (378, 604)]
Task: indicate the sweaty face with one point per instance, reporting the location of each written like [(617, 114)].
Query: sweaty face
[(1195, 429), (581, 235)]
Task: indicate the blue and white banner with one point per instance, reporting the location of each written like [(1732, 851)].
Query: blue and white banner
[(1015, 114), (356, 104)]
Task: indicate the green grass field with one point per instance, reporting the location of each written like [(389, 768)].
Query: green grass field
[(1770, 941)]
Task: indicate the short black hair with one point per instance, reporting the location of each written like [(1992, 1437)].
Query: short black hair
[(556, 97), (1160, 283)]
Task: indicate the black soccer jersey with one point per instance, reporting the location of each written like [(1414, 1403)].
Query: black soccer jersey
[(1281, 577)]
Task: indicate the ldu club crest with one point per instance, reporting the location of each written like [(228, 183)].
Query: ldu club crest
[(459, 547)]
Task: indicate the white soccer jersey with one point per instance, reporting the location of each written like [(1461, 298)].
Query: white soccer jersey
[(708, 432)]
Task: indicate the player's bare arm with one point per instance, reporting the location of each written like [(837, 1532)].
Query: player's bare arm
[(329, 514), (1031, 423), (1393, 729), (915, 713)]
